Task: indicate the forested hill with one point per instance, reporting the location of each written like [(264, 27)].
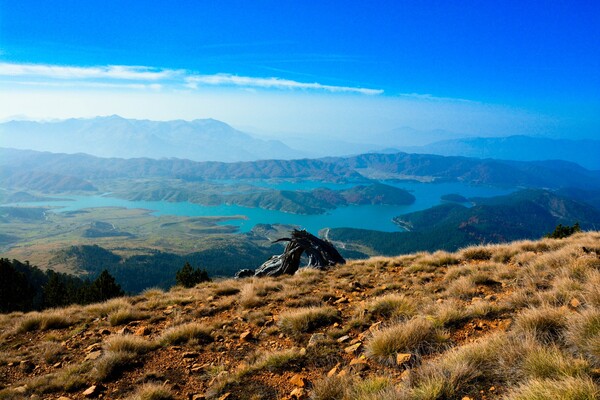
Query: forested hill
[(25, 168)]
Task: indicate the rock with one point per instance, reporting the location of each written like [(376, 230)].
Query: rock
[(298, 393), (92, 347), (21, 389), (298, 380), (104, 332), (574, 302), (246, 336), (225, 396), (142, 331), (359, 364), (490, 297), (343, 339), (94, 355), (333, 370), (403, 358), (375, 327), (125, 331), (92, 391), (57, 365), (316, 338), (197, 397), (190, 354), (353, 348), (341, 300)]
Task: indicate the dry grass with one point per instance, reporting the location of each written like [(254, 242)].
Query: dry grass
[(307, 319), (568, 388), (545, 324), (151, 391), (185, 333), (523, 318), (395, 306), (416, 336), (128, 343), (123, 316)]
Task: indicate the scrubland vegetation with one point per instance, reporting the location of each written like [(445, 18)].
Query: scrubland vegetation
[(509, 321)]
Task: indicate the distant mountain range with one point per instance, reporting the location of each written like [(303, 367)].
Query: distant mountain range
[(521, 148), (526, 214), (48, 172), (199, 140)]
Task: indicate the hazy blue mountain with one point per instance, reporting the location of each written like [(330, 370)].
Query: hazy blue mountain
[(521, 148), (28, 169), (199, 140)]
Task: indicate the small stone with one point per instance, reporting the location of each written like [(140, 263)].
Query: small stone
[(303, 351), (93, 347), (92, 391), (298, 393), (316, 338), (94, 355), (375, 327), (333, 370), (21, 389), (353, 348), (343, 339), (490, 297), (142, 331), (225, 396), (197, 397), (343, 373), (57, 365), (359, 364), (574, 302), (104, 331), (467, 398), (403, 358), (341, 300), (125, 331), (246, 336), (190, 354), (298, 380), (493, 388)]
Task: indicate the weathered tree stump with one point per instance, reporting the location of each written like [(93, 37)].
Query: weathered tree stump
[(321, 255)]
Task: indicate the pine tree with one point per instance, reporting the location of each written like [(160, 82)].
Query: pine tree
[(105, 287), (189, 277)]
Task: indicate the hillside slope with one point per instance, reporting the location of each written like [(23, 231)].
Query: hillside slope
[(513, 321)]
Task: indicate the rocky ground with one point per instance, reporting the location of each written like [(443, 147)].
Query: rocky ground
[(517, 321)]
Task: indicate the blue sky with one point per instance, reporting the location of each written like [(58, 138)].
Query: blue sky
[(309, 67)]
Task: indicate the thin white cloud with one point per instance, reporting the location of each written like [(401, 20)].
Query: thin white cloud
[(119, 72), (48, 75), (272, 83)]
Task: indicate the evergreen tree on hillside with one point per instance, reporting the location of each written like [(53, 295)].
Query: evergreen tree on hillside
[(55, 291), (105, 287), (189, 277), (16, 293), (561, 231)]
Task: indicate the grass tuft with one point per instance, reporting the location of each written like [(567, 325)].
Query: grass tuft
[(307, 319), (185, 333)]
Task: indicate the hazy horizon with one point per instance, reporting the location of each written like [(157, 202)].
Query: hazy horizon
[(333, 70)]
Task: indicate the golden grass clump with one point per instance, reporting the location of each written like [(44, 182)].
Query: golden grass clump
[(107, 307), (112, 363), (307, 319), (185, 333), (391, 306), (43, 321), (125, 315), (151, 391), (545, 324), (417, 336), (575, 388), (477, 253), (584, 333), (128, 343)]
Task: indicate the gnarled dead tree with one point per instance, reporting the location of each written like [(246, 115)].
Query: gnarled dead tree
[(321, 255)]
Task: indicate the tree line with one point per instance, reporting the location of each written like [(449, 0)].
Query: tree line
[(24, 287)]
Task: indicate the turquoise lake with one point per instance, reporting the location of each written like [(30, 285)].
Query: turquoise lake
[(365, 217)]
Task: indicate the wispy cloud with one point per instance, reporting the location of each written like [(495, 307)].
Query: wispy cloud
[(122, 75), (272, 83)]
